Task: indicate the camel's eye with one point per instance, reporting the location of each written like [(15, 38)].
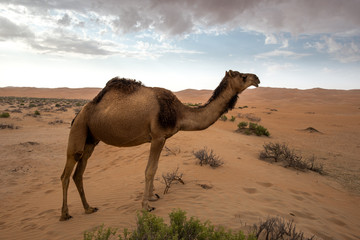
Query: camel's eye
[(244, 78)]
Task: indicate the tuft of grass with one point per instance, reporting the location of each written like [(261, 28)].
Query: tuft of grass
[(36, 113), (5, 115), (100, 233), (207, 157), (242, 125), (253, 128), (223, 118), (232, 119), (282, 153)]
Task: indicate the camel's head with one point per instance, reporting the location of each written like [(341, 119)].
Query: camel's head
[(242, 80)]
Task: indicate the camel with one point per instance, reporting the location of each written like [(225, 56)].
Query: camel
[(125, 113)]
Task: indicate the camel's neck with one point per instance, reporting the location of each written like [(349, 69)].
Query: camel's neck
[(202, 117)]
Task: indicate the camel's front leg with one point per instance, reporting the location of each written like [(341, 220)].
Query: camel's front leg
[(155, 150)]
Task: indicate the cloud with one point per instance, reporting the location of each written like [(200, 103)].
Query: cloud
[(10, 30), (339, 49), (176, 18), (65, 20), (281, 53)]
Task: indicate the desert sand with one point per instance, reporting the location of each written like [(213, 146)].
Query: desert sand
[(240, 193)]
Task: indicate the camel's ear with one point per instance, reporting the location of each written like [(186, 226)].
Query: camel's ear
[(230, 73)]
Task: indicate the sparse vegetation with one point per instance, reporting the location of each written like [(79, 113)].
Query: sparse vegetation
[(223, 118), (37, 113), (242, 125), (152, 227), (232, 119), (282, 153), (207, 157), (8, 126), (5, 115), (253, 128), (170, 177), (250, 116), (278, 228)]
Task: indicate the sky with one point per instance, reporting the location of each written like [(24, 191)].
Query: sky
[(180, 44)]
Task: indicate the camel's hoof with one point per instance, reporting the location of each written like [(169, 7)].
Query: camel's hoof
[(91, 210), (154, 198), (65, 218)]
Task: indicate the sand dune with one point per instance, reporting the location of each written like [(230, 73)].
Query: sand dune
[(242, 191)]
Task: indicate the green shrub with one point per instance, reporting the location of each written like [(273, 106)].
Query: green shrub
[(4, 115), (232, 119), (253, 128), (37, 113), (242, 125), (223, 118)]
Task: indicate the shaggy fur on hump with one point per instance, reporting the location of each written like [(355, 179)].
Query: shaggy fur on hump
[(122, 84), (168, 115), (217, 92)]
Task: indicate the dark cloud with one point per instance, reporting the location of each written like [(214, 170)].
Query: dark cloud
[(184, 16), (65, 20), (10, 30), (181, 17)]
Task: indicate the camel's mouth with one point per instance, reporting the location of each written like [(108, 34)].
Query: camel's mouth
[(256, 83)]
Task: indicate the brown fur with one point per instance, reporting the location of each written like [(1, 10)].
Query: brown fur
[(124, 85), (168, 115)]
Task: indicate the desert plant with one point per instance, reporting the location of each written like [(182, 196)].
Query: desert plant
[(282, 153), (223, 118), (170, 177), (242, 125), (232, 119), (208, 158), (278, 228), (253, 128), (36, 113), (100, 233), (5, 115)]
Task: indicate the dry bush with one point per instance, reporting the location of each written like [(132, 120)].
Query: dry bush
[(170, 177), (282, 153), (208, 158), (277, 228), (8, 126)]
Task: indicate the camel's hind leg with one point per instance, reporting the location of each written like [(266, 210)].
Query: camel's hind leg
[(78, 176), (65, 179)]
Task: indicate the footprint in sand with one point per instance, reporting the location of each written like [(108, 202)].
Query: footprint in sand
[(250, 190)]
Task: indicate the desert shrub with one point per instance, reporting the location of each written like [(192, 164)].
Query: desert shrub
[(37, 113), (9, 126), (100, 233), (223, 118), (5, 115), (232, 119), (253, 128), (208, 158), (282, 153), (260, 130), (31, 105), (242, 125), (151, 227), (170, 177), (278, 228)]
